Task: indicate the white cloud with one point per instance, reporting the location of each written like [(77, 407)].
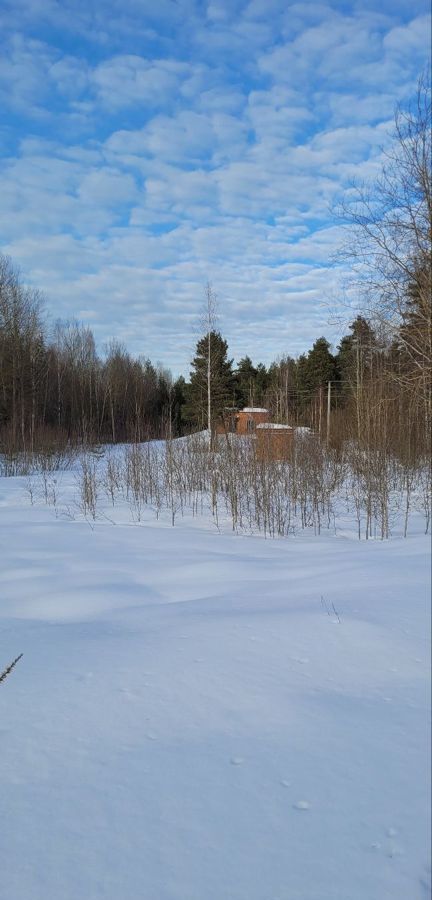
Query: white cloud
[(24, 72), (209, 144), (184, 138), (404, 40), (107, 188), (131, 80)]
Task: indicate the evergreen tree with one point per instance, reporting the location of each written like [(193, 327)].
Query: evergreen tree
[(321, 364), (252, 383), (315, 369), (245, 382), (354, 357), (262, 383), (177, 401), (415, 333), (222, 382)]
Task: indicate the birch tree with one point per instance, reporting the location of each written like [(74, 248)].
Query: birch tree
[(389, 249)]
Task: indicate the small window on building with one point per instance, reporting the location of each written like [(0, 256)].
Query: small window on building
[(250, 425)]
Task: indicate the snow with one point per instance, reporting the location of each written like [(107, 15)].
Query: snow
[(254, 409), (271, 426), (200, 715)]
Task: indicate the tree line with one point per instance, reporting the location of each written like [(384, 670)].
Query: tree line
[(55, 387), (289, 387)]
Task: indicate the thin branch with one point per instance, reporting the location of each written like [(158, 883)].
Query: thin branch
[(9, 668)]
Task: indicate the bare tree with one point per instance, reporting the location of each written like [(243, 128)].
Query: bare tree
[(390, 239), (211, 374), (22, 355), (208, 321)]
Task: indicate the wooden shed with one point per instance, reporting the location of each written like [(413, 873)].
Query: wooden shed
[(241, 421), (274, 442), (249, 418), (227, 424)]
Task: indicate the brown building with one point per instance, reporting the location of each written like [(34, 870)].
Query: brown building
[(249, 418), (242, 421), (227, 423), (274, 442)]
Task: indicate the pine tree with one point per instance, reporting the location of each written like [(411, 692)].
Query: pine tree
[(222, 382), (415, 334), (354, 357), (318, 368), (245, 382)]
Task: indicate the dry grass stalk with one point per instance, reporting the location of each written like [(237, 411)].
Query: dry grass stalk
[(9, 668)]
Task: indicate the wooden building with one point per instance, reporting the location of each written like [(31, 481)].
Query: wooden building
[(227, 423), (249, 418), (274, 442), (242, 421)]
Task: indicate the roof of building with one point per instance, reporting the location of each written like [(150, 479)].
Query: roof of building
[(252, 409), (266, 426)]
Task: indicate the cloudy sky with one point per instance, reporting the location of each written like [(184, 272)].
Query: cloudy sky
[(150, 146)]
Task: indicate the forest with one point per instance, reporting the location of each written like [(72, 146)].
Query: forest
[(56, 391)]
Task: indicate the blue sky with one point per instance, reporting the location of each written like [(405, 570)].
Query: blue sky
[(150, 146)]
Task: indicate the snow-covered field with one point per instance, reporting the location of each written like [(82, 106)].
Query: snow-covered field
[(200, 715)]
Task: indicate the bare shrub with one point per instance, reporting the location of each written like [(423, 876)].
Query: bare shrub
[(51, 451), (275, 498), (88, 485), (112, 476)]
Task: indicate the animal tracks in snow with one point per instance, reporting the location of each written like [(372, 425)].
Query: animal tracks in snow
[(388, 847)]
